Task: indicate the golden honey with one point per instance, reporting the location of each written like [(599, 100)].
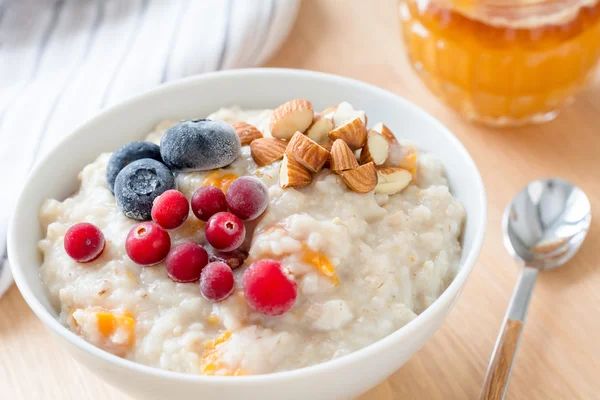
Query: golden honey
[(507, 62)]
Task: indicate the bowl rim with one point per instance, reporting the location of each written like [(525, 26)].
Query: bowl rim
[(410, 328)]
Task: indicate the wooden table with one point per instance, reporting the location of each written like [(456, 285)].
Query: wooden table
[(559, 354)]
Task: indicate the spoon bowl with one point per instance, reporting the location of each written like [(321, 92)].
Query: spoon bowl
[(546, 223)]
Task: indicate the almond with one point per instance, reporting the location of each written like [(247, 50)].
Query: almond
[(376, 149), (246, 132), (292, 174), (345, 113), (354, 133), (391, 180), (265, 151), (291, 117), (307, 152), (362, 179), (342, 158), (320, 128), (385, 131)]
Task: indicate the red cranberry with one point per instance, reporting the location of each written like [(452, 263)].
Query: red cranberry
[(170, 209), (247, 197), (147, 243), (185, 262), (84, 242), (207, 201), (225, 232), (268, 289), (216, 282)]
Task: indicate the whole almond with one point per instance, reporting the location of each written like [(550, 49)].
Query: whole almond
[(342, 158), (246, 132), (362, 179), (376, 149), (292, 174), (307, 152), (354, 133), (265, 151), (291, 117)]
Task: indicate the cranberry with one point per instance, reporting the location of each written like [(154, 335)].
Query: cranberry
[(225, 232), (147, 243), (185, 262), (247, 197), (216, 282), (268, 289), (84, 242), (170, 209), (207, 201)]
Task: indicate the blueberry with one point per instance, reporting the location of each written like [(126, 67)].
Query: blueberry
[(126, 155), (138, 184), (199, 145)]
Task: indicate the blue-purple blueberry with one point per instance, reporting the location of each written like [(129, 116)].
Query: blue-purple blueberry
[(138, 184), (199, 145), (127, 154)]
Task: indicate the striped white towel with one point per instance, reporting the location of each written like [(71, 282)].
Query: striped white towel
[(63, 60)]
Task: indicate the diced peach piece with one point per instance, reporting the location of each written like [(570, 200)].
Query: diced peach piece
[(220, 180), (210, 363), (321, 262), (109, 323), (113, 331), (410, 163)]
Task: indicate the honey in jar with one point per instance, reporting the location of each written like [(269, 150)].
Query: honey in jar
[(503, 62)]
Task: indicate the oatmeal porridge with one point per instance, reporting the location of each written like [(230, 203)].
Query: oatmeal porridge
[(345, 236)]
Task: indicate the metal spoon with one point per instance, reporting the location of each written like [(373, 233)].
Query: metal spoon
[(543, 228)]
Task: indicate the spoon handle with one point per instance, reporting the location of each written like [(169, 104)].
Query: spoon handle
[(498, 373)]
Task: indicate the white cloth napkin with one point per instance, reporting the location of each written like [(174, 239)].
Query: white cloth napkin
[(63, 60)]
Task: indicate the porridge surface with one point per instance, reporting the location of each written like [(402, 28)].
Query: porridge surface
[(365, 265)]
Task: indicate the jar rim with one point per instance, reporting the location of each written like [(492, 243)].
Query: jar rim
[(516, 13)]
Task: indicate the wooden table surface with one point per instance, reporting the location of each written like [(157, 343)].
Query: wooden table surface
[(559, 354)]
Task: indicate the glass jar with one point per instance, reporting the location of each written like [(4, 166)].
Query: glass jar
[(503, 62)]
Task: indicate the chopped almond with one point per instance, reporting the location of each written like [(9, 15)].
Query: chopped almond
[(291, 117), (376, 149), (342, 158), (320, 128), (385, 131), (246, 132), (266, 151), (392, 180), (307, 152), (362, 179), (354, 133), (292, 174)]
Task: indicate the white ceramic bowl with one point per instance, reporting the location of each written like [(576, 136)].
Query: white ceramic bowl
[(56, 176)]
